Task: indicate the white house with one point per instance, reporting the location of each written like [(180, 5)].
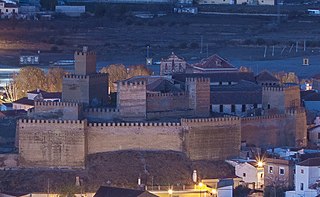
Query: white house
[(250, 171), (8, 8), (307, 179)]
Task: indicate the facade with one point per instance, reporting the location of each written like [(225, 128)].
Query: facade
[(279, 172), (172, 64), (73, 11), (8, 8), (314, 136), (251, 173), (306, 178)]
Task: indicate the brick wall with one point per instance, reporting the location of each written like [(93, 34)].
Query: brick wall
[(58, 110), (212, 139), (125, 136), (55, 143), (167, 102)]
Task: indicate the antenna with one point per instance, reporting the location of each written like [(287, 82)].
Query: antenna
[(201, 43)]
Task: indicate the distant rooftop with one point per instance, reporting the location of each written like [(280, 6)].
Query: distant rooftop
[(310, 162)]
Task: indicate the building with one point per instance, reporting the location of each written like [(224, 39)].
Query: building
[(311, 100), (172, 64), (73, 11), (279, 172), (250, 171), (314, 135), (265, 78), (8, 8), (105, 191), (26, 103), (306, 179), (153, 113)]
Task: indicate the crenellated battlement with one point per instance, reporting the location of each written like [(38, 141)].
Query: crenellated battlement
[(273, 89), (264, 117), (97, 75), (166, 94), (220, 119), (295, 111), (102, 110), (128, 83), (73, 76), (135, 124), (35, 121), (198, 79), (57, 104), (82, 53)]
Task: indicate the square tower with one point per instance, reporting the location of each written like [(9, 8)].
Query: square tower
[(85, 62)]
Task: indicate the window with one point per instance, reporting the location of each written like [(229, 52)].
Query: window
[(261, 176), (318, 136), (243, 108), (244, 174), (302, 171), (233, 108), (220, 83), (281, 170), (229, 83), (7, 10), (13, 10), (301, 186), (270, 169), (255, 106), (221, 108), (269, 106)]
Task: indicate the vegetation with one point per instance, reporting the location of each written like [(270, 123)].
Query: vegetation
[(30, 78), (241, 191), (48, 4), (120, 72)]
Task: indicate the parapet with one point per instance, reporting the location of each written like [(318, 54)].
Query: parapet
[(58, 104), (105, 110), (35, 121), (87, 53), (165, 94), (220, 119), (295, 111), (73, 76), (128, 83), (135, 124), (264, 117), (272, 89), (197, 79)]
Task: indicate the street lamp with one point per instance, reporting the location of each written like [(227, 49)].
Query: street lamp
[(214, 192), (170, 192)]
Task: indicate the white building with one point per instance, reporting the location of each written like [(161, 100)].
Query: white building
[(8, 8), (307, 179), (250, 171)]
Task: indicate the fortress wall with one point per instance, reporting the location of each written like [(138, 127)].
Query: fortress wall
[(212, 138), (292, 97), (274, 97), (51, 143), (75, 88), (278, 130), (169, 114), (58, 110), (167, 102), (101, 114), (103, 137), (98, 89)]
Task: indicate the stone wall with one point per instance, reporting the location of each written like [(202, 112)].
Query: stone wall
[(198, 90), (54, 143), (288, 129), (131, 100), (101, 114), (157, 102), (85, 62), (57, 110), (212, 138), (75, 88), (98, 89), (104, 137)]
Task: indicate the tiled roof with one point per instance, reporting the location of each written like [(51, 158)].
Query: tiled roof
[(214, 61), (163, 86), (104, 191), (266, 76), (24, 101), (172, 56), (51, 95), (37, 91), (310, 162), (310, 95)]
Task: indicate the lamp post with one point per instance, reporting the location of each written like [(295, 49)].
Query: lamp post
[(170, 192)]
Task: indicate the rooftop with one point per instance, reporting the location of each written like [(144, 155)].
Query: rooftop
[(24, 101), (105, 191), (214, 61), (310, 162), (266, 76)]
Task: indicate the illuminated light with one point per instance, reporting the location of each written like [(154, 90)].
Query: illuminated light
[(200, 184), (214, 191), (260, 164), (170, 191)]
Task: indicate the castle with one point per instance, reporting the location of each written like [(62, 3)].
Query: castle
[(156, 113)]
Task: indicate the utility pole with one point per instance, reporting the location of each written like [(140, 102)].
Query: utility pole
[(201, 43), (297, 46), (304, 45), (207, 50), (265, 52)]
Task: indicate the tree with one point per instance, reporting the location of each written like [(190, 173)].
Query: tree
[(241, 191), (10, 93), (54, 79), (48, 4), (138, 70), (287, 77), (116, 72), (29, 78)]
